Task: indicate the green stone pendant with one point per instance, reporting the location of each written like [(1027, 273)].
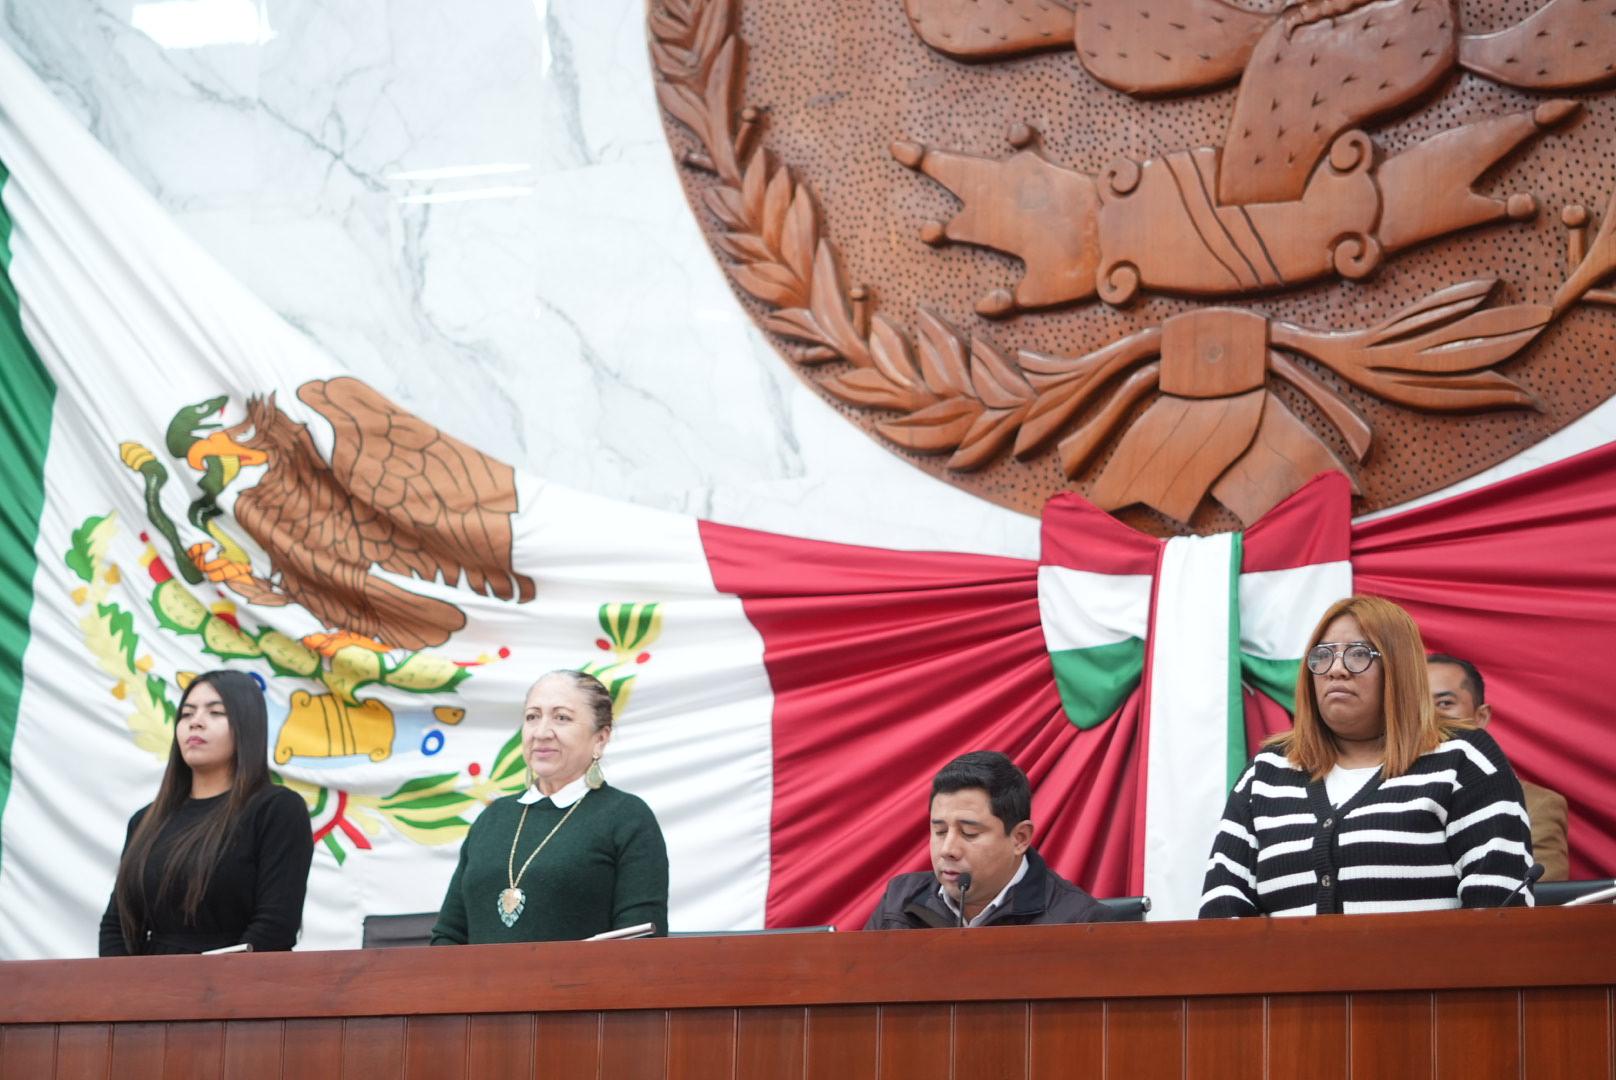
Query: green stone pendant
[(511, 903)]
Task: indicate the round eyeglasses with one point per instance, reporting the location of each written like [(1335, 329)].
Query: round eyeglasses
[(1356, 656)]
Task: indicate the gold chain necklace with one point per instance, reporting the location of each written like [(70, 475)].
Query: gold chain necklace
[(513, 901)]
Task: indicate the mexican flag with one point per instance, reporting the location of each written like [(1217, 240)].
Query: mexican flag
[(190, 484)]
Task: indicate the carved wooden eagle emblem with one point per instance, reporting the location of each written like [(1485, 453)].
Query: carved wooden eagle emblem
[(1180, 278)]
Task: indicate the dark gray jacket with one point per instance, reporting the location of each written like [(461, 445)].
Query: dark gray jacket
[(1041, 897)]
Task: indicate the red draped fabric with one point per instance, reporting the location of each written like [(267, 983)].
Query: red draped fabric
[(886, 664), (1520, 577)]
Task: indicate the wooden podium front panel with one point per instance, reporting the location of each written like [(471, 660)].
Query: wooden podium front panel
[(1538, 1035), (1470, 995)]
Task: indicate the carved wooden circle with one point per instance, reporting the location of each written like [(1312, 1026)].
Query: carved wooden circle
[(1250, 245)]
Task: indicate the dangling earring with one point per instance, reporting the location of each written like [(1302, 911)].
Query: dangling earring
[(529, 777), (594, 777)]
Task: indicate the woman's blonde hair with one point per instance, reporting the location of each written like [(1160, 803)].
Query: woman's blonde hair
[(1412, 726)]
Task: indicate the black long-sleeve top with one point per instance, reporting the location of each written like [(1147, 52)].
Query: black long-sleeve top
[(255, 895)]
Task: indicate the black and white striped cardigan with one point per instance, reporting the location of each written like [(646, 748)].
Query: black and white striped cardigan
[(1451, 832)]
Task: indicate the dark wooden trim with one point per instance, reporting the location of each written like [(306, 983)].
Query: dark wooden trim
[(1458, 950)]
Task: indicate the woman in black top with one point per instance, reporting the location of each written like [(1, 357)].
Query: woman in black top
[(221, 857)]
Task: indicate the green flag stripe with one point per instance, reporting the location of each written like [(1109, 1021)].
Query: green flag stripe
[(1093, 683), (27, 396), (1235, 747), (1276, 678)]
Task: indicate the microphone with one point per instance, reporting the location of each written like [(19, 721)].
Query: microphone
[(1530, 879), (964, 881)]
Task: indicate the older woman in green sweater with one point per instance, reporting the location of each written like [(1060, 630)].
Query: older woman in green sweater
[(571, 856)]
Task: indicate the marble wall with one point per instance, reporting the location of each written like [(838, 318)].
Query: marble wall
[(471, 205)]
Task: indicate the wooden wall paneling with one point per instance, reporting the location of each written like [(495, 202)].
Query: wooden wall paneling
[(435, 1047), (1389, 1038), (701, 1044), (1307, 1037), (1478, 1035), (1065, 1038), (83, 1051), (1224, 1037), (373, 1048), (27, 1051), (915, 1041), (566, 1046), (311, 1048), (990, 1040), (1567, 1033), (1144, 1038), (194, 1050), (634, 1045), (137, 1049), (770, 1043), (499, 1046), (841, 1042), (252, 1049)]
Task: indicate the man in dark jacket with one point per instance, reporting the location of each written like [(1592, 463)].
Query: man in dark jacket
[(981, 838)]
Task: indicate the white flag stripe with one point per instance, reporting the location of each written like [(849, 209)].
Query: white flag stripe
[(1279, 608), (1187, 772), (1081, 609)]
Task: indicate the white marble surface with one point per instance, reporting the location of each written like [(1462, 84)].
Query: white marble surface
[(471, 206)]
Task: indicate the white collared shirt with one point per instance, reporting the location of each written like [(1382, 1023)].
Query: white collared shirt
[(562, 799), (993, 905)]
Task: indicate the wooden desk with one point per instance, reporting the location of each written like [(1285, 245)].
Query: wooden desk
[(1472, 994)]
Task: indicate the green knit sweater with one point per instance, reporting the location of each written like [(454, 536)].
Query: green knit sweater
[(605, 869)]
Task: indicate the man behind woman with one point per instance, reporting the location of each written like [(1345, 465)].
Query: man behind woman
[(1371, 802)]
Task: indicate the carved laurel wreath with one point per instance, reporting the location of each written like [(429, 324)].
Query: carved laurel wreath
[(958, 393)]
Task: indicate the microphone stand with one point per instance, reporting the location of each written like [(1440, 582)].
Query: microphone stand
[(964, 887), (1531, 878)]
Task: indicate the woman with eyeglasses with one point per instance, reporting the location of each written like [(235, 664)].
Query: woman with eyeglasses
[(1371, 802)]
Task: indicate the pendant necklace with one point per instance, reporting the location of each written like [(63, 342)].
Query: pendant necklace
[(512, 901)]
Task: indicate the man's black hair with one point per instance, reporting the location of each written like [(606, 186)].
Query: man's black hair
[(1472, 677), (1009, 794)]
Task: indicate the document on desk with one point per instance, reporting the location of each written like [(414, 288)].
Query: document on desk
[(639, 930)]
